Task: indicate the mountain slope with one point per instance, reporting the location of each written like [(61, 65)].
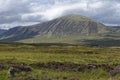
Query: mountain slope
[(114, 29), (2, 31), (70, 25), (66, 29)]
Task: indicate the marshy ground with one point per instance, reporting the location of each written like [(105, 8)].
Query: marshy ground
[(36, 62)]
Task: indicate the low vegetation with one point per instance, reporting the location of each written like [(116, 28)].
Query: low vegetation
[(64, 62)]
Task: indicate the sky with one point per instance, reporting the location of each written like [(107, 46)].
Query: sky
[(26, 12)]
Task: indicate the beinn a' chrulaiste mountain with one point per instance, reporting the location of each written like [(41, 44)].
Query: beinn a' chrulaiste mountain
[(67, 29)]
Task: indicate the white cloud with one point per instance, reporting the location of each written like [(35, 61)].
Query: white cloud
[(95, 5), (58, 10), (10, 25), (50, 12)]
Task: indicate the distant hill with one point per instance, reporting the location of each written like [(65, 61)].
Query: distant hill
[(67, 29), (2, 31), (114, 29)]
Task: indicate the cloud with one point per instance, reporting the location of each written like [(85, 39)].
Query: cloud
[(21, 12), (10, 25), (59, 10)]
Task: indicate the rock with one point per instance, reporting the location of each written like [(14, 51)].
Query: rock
[(114, 72), (11, 72)]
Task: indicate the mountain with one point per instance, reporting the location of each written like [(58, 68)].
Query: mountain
[(2, 31), (67, 29), (114, 29)]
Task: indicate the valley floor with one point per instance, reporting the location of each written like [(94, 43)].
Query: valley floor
[(36, 62)]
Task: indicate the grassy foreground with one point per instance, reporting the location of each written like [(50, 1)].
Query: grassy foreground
[(36, 56)]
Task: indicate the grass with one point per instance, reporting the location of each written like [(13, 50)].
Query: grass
[(76, 54)]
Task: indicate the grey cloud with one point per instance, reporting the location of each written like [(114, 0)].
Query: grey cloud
[(106, 13), (28, 11)]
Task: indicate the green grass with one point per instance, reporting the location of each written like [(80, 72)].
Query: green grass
[(76, 54), (41, 73)]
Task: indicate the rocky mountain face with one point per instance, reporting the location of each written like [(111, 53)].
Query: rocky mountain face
[(71, 25)]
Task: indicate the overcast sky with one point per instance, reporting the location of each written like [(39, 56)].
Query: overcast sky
[(26, 12)]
